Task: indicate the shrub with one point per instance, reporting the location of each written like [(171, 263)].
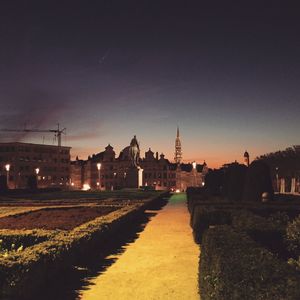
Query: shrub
[(214, 182), (196, 195), (24, 238), (258, 181), (263, 231), (232, 266), (235, 180), (295, 263), (23, 272), (293, 236), (247, 221), (280, 218), (204, 216)]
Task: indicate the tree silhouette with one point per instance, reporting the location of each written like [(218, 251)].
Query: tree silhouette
[(258, 181)]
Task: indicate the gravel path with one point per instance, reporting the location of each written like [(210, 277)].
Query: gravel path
[(161, 264)]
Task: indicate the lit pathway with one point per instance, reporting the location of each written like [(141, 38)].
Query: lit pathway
[(161, 264)]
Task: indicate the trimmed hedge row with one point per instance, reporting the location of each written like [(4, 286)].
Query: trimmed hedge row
[(264, 231), (57, 194), (262, 209), (199, 196), (245, 248), (22, 273), (232, 266), (204, 216), (23, 238), (293, 237)]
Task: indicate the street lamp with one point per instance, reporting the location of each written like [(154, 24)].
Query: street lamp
[(194, 168), (7, 168), (277, 179), (99, 167), (37, 171), (124, 179)]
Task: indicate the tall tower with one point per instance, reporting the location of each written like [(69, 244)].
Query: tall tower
[(178, 152), (246, 158)]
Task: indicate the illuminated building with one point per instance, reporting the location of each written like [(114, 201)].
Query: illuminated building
[(51, 164), (178, 151), (158, 172)]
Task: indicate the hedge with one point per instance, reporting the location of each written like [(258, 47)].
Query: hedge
[(196, 196), (232, 266), (23, 238), (293, 237), (258, 181), (263, 227), (204, 216), (248, 221), (264, 231), (21, 273)]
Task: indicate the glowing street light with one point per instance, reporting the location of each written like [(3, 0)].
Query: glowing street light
[(99, 180), (124, 178), (37, 171), (194, 167), (7, 168)]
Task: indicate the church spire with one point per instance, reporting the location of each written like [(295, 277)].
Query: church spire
[(178, 151)]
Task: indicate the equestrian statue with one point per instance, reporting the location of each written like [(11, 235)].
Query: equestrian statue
[(134, 152)]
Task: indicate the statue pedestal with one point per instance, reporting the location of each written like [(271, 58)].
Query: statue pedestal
[(134, 177)]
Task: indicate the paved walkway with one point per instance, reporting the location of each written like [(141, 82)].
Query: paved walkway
[(161, 264)]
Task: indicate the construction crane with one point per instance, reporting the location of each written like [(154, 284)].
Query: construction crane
[(58, 132)]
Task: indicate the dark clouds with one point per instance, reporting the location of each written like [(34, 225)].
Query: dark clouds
[(30, 107)]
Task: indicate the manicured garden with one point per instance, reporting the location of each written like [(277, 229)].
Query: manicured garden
[(52, 231), (64, 218), (249, 249), (45, 198)]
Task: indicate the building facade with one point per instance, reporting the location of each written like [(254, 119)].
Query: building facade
[(19, 161), (105, 171)]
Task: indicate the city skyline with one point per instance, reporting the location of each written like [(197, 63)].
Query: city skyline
[(50, 139), (227, 75)]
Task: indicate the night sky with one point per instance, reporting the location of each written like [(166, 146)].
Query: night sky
[(227, 74)]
